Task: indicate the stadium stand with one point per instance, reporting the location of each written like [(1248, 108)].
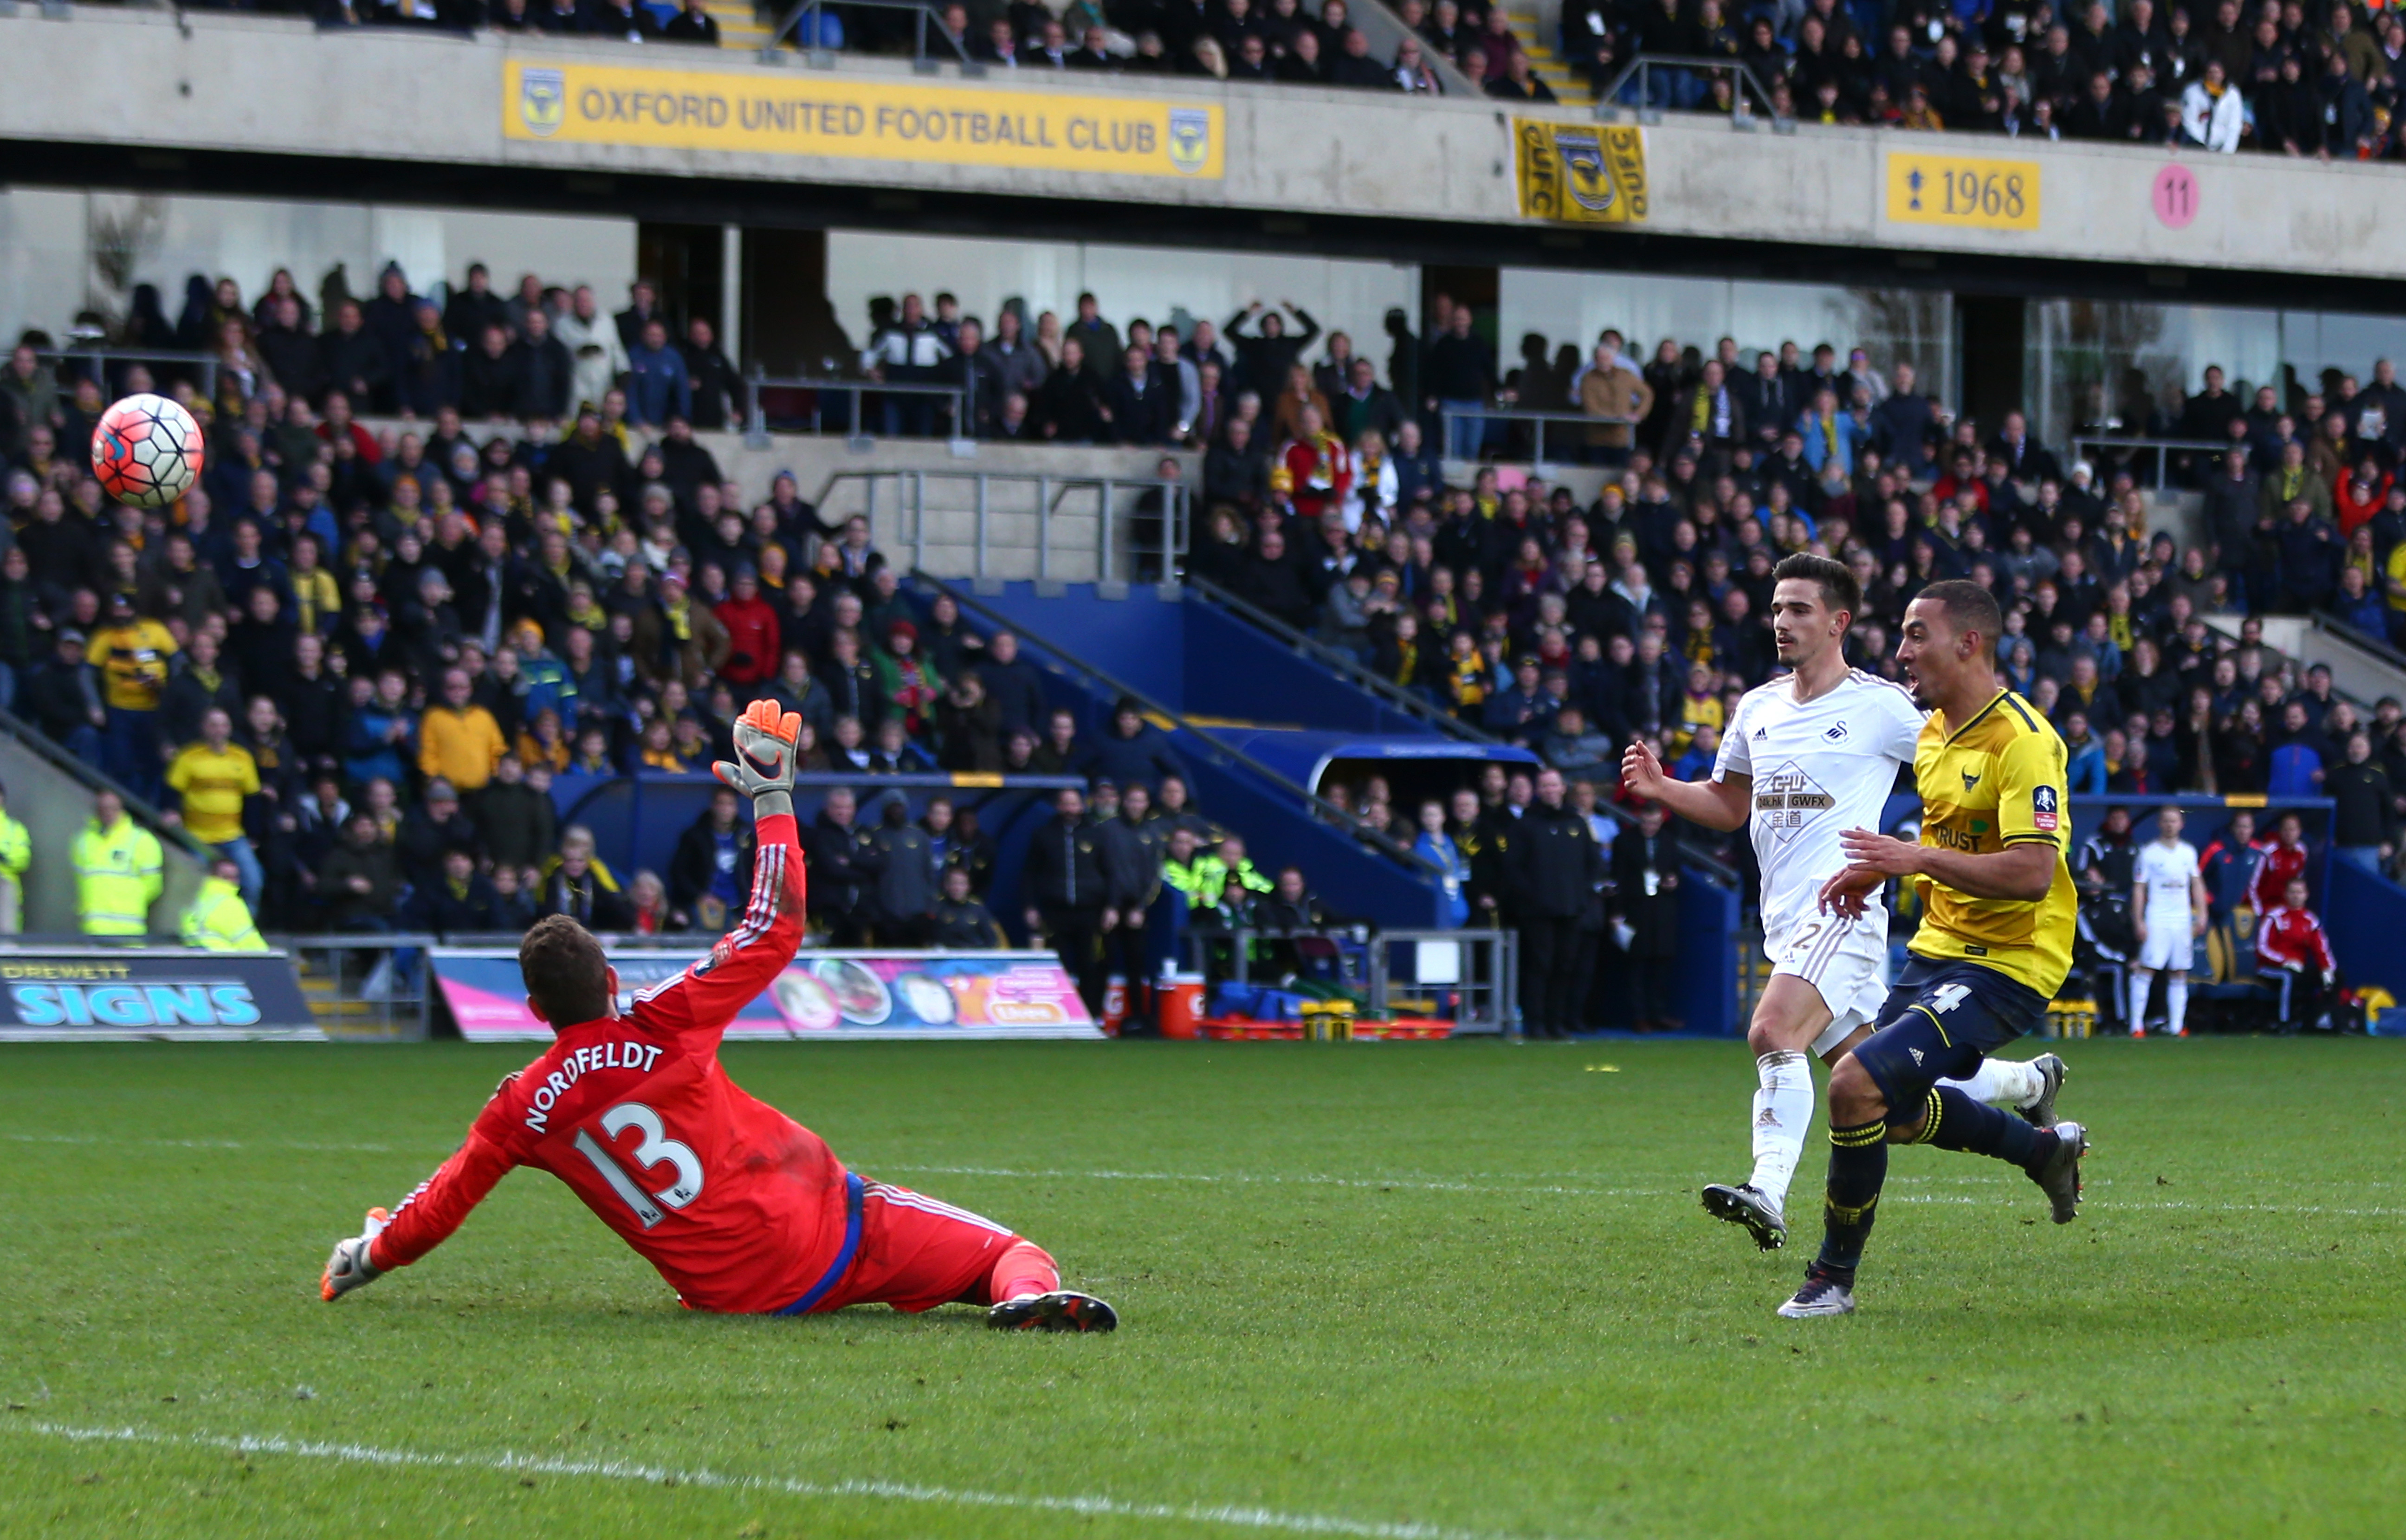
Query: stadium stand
[(2317, 82), (483, 594)]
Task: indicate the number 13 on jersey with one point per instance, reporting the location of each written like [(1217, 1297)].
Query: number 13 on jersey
[(656, 1149)]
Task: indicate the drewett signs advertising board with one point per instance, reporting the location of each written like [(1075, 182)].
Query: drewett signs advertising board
[(867, 120), (87, 993), (820, 995)]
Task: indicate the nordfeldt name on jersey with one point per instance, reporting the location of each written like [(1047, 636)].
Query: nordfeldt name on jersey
[(1818, 769)]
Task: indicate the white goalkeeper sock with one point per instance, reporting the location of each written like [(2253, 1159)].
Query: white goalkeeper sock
[(2176, 1003), (2139, 982), (2001, 1082), (1783, 1111)]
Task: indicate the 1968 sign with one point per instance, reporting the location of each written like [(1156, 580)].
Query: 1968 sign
[(1965, 191)]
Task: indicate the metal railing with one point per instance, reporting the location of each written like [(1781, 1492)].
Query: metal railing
[(151, 358), (1484, 414), (952, 399), (813, 41), (1480, 968), (1208, 747), (1652, 84), (1386, 33), (1419, 708), (33, 741), (641, 815), (2364, 668), (1440, 721), (2193, 456), (1046, 499)]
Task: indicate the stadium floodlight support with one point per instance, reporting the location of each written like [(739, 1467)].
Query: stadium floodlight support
[(822, 57), (1674, 74)]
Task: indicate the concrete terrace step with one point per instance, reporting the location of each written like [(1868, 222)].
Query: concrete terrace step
[(1566, 84), (739, 26)]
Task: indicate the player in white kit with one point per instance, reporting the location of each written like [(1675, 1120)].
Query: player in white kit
[(1810, 756), (2168, 907)]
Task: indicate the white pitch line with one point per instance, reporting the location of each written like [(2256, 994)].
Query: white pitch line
[(1228, 1516), (1289, 1178), (1497, 1184), (114, 1141)]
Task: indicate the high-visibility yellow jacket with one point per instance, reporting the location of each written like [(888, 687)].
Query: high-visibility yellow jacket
[(119, 871), (16, 847), (219, 921)]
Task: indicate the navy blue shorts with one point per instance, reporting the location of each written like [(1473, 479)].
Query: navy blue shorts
[(1939, 1022)]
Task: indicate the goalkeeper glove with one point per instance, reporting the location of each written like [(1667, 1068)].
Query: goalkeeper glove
[(349, 1268), (766, 748)]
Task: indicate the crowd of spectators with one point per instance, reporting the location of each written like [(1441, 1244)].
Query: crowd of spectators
[(1572, 623), (354, 663), (2319, 80), (2308, 78), (1278, 40), (408, 634)]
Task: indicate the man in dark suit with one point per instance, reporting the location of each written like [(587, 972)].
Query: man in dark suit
[(1770, 406), (1142, 406), (1646, 899)]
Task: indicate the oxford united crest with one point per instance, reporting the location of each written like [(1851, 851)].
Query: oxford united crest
[(1190, 139), (543, 101), (1585, 177)]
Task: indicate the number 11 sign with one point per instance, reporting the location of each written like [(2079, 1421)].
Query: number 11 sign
[(2175, 196)]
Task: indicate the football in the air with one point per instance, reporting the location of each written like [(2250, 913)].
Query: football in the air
[(146, 451)]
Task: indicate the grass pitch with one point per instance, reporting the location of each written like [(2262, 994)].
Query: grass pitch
[(1395, 1293)]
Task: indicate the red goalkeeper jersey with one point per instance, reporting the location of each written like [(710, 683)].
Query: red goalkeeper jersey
[(740, 1208)]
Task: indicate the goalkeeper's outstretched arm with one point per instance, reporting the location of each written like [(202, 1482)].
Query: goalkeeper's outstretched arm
[(424, 1219), (707, 995)]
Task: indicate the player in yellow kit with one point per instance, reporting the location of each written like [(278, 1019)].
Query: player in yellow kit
[(1994, 944)]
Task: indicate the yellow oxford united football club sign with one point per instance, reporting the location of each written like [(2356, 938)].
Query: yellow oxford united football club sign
[(869, 120), (1580, 173)]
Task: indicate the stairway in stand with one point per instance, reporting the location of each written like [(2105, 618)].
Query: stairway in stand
[(1570, 87), (739, 27)]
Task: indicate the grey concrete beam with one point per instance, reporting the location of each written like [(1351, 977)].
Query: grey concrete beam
[(261, 86)]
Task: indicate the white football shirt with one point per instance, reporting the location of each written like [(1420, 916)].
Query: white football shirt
[(2164, 870), (1818, 769)]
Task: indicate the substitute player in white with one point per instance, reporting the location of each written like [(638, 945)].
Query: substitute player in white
[(2168, 902), (1808, 756)]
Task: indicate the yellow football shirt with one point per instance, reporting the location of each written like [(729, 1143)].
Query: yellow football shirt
[(132, 664), (1998, 780), (213, 783)]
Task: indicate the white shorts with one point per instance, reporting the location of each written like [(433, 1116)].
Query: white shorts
[(2169, 945), (1846, 960)]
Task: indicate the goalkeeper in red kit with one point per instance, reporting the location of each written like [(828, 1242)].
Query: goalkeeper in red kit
[(740, 1208)]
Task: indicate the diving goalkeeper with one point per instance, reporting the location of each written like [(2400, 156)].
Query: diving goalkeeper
[(740, 1208)]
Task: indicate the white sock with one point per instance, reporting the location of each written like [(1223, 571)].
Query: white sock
[(2177, 1002), (2139, 982), (2001, 1082), (1783, 1111)]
